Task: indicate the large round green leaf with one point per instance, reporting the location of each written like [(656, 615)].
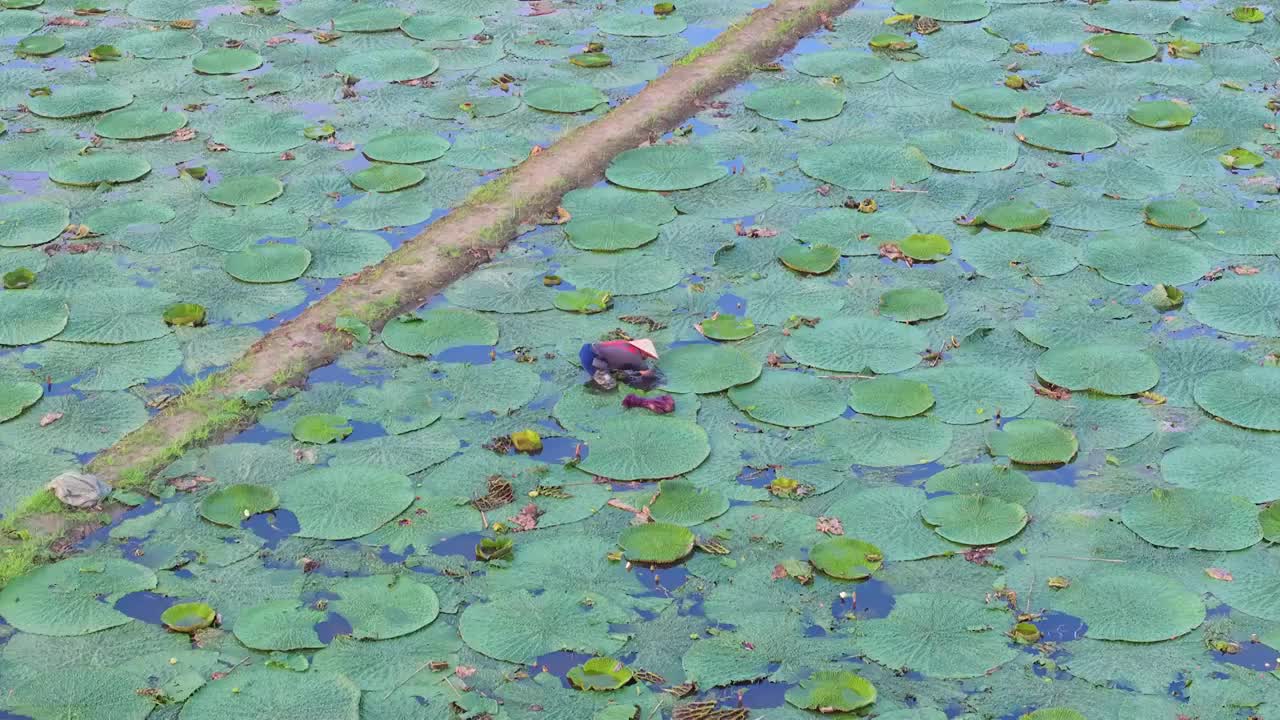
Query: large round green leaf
[(427, 333), (1244, 306), (939, 635), (247, 190), (381, 607), (623, 448), (520, 627), (139, 124), (321, 428), (1130, 605), (853, 232), (946, 10), (489, 150), (16, 396), (889, 442), (664, 167), (1065, 133), (31, 222), (998, 102), (830, 691), (790, 399), (1140, 258), (707, 368), (1196, 519), (1118, 47), (392, 65), (974, 519), (890, 397), (1033, 442), (1017, 256), (1249, 398), (388, 178), (406, 147), (656, 542), (31, 316), (73, 597), (996, 481), (370, 19), (912, 304), (71, 101), (889, 517), (1226, 468), (967, 150), (232, 504), (1174, 214), (812, 260), (280, 625), (344, 503), (264, 133), (865, 165), (851, 66), (846, 558), (797, 101), (268, 693), (1110, 369), (268, 263), (971, 395), (441, 28), (1013, 215), (1162, 114), (226, 61), (622, 273), (562, 97), (100, 168), (680, 502), (161, 44), (621, 232), (636, 25), (854, 345)]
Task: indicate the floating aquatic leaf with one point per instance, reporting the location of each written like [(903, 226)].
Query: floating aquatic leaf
[(890, 397), (587, 301), (974, 519), (226, 61), (680, 502), (268, 263), (387, 178), (795, 101), (73, 597), (790, 399), (1240, 159), (814, 260), (1175, 214), (1110, 369), (392, 65), (321, 428), (892, 41), (999, 102), (1241, 305), (563, 97), (321, 500), (1162, 114), (830, 691), (100, 168), (233, 504), (846, 558), (39, 45), (1247, 397), (939, 636), (188, 314), (858, 344), (727, 327), (1065, 133), (19, 279), (707, 368), (664, 167), (188, 617), (912, 304), (1119, 47), (1131, 605), (1197, 519), (249, 190), (600, 673), (1033, 442), (925, 247), (865, 165), (656, 542)]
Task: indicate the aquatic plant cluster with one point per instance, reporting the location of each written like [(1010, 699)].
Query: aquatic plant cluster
[(966, 313)]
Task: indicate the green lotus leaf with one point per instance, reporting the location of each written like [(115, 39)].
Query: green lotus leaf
[(391, 65), (974, 519), (1247, 397), (1142, 258), (264, 133), (1240, 159), (1131, 605), (161, 44), (587, 301), (495, 549), (73, 597), (1054, 714), (388, 178), (865, 165), (1269, 519), (139, 124), (429, 332), (890, 397), (189, 314), (370, 19), (912, 304), (560, 97), (890, 442), (1119, 47), (321, 429), (812, 260), (16, 396), (247, 190), (830, 691), (322, 500), (31, 222), (72, 101), (845, 558), (19, 279), (268, 263), (1196, 519), (1241, 471), (100, 168), (270, 82), (1244, 306), (519, 626), (622, 449), (188, 617), (851, 66), (1033, 442), (1248, 14), (600, 673), (232, 504), (441, 28), (996, 481), (1109, 369), (664, 167), (972, 395), (707, 368), (925, 247), (945, 10), (680, 502), (797, 101), (727, 327), (939, 635), (405, 147), (1013, 215), (381, 607), (487, 151), (263, 691), (635, 25), (1175, 214), (1162, 114), (226, 61), (1017, 256), (614, 233), (656, 542), (967, 150), (790, 399), (1065, 133), (590, 60), (999, 102), (30, 317), (855, 345), (39, 45), (280, 625), (891, 41)]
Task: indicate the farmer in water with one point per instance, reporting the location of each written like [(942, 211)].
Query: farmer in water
[(628, 358)]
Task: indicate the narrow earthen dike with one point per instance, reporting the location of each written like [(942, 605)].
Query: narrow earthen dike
[(462, 240)]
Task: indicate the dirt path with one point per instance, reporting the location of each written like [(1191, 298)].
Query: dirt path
[(452, 246)]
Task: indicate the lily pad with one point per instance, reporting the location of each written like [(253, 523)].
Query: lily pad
[(797, 101), (636, 25), (1109, 369), (233, 504), (890, 397), (854, 345), (322, 500), (1223, 467), (426, 333), (321, 428), (1196, 519), (664, 167), (388, 178), (925, 247), (587, 301), (865, 165), (790, 399), (707, 368), (1131, 605), (813, 260), (31, 222), (1249, 398), (563, 97), (945, 10), (405, 147), (248, 190), (974, 519), (600, 673), (268, 263), (727, 327), (226, 61), (188, 617), (996, 481), (912, 304), (1244, 306), (1065, 133), (73, 597), (680, 502), (31, 316), (1119, 47), (967, 150), (999, 102), (830, 691), (139, 124), (845, 558), (100, 168), (622, 450), (1175, 214), (1033, 442), (72, 101), (939, 635), (392, 65), (1162, 114), (1013, 215), (16, 396), (850, 66), (656, 542)]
